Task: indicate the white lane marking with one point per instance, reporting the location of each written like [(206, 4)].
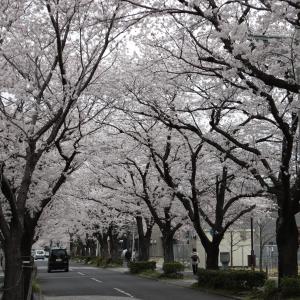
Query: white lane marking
[(60, 277), (120, 291), (97, 280), (81, 273)]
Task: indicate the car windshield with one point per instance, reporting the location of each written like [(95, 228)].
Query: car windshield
[(58, 253)]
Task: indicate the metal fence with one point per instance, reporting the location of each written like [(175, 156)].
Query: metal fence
[(182, 253)]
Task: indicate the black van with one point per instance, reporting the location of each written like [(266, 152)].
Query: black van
[(58, 260)]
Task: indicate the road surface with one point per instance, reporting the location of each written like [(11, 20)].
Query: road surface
[(89, 283)]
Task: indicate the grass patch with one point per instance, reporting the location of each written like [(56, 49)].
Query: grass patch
[(36, 288), (150, 274), (111, 265), (172, 276), (230, 293)]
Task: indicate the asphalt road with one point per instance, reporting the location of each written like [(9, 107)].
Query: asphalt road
[(89, 283)]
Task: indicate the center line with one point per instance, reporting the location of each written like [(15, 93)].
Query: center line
[(81, 273), (97, 280), (120, 291)]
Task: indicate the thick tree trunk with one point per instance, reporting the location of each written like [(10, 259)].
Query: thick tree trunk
[(212, 256), (13, 280), (168, 248), (287, 243), (114, 247), (104, 248), (144, 246), (144, 240), (26, 246)]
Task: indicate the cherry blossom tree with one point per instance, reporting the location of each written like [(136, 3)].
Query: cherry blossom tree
[(253, 97), (128, 175), (55, 60), (110, 214), (211, 189)]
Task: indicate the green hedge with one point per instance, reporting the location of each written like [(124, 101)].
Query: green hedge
[(105, 262), (230, 279), (99, 261), (290, 286), (270, 290), (173, 267), (140, 266)]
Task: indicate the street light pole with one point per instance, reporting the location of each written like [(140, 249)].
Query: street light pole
[(252, 249), (133, 245)]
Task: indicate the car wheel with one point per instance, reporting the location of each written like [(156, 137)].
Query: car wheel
[(49, 270), (66, 269)]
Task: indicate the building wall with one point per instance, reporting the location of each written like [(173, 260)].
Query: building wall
[(241, 240)]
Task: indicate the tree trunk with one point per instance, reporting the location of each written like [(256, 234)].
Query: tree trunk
[(26, 246), (13, 280), (168, 248), (144, 249), (212, 256), (287, 243), (144, 240), (103, 247), (114, 246)]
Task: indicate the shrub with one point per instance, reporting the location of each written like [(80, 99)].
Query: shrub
[(172, 275), (117, 261), (172, 268), (139, 266), (270, 290), (104, 262), (109, 262), (290, 286), (230, 279), (87, 259), (36, 287), (98, 261)]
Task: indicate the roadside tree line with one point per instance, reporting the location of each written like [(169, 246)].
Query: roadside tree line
[(199, 115)]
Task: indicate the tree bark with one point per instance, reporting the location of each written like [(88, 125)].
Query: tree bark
[(27, 242), (13, 280), (144, 239), (144, 245), (212, 255), (103, 246), (114, 246), (167, 240), (287, 243)]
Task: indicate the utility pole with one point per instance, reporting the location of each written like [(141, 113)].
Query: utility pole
[(252, 249)]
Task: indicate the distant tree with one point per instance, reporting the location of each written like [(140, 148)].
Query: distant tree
[(210, 188), (130, 174)]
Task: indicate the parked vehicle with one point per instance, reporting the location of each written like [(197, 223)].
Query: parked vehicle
[(33, 253), (58, 260), (39, 254)]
